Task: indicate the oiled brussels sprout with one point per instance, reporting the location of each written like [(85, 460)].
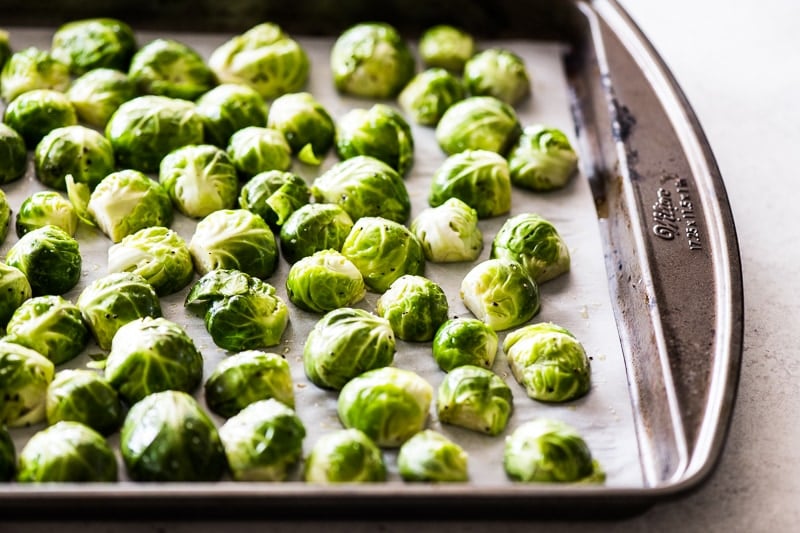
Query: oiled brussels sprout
[(449, 232), (35, 113), (430, 456), (380, 132), (67, 452), (542, 159), (389, 404), (23, 384), (313, 228), (550, 451), (478, 123), (167, 436), (305, 122), (263, 442), (31, 69), (5, 216), (428, 95), (49, 257), (274, 195), (345, 343), (464, 341), (44, 208), (499, 73), (479, 178), (447, 47), (84, 396), (247, 377), (51, 325), (415, 307), (13, 155), (500, 293), (98, 93), (167, 67), (15, 288), (534, 242), (76, 150), (228, 108), (371, 60), (345, 456), (324, 281), (8, 455), (93, 43), (256, 149), (474, 398)]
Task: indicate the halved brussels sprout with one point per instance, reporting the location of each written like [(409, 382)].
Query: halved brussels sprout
[(84, 396), (415, 307), (534, 242), (36, 113), (256, 149), (76, 150), (228, 108), (98, 93), (313, 228), (15, 288), (449, 232), (380, 132), (51, 325), (45, 208), (479, 178), (464, 341), (31, 69), (49, 257), (447, 47), (430, 456), (274, 195), (167, 67), (308, 127), (497, 72), (428, 95), (87, 44), (478, 123), (8, 455), (475, 398), (345, 343), (542, 159), (500, 293), (345, 456), (13, 155), (324, 281), (5, 216), (23, 384)]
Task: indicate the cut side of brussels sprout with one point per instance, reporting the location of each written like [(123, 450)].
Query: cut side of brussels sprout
[(44, 208), (49, 257), (324, 281), (415, 307), (449, 232), (345, 456), (542, 159), (36, 113), (430, 456), (84, 396), (499, 73), (93, 43), (312, 228), (478, 123), (13, 155), (534, 242), (98, 93), (380, 132), (474, 398), (500, 293), (76, 150), (464, 341), (447, 47), (167, 67), (23, 384), (256, 149), (51, 325), (429, 94), (228, 108), (274, 195), (305, 122), (479, 178), (31, 69)]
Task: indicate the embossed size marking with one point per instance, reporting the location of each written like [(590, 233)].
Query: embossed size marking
[(673, 212)]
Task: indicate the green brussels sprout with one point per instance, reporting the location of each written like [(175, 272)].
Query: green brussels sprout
[(449, 232), (8, 455), (478, 123), (35, 113), (447, 47), (364, 187), (474, 398), (344, 343), (247, 377), (67, 452), (263, 57), (111, 301), (549, 451), (380, 132), (49, 257), (533, 242), (428, 95), (167, 436), (158, 254), (167, 67), (499, 73), (199, 179), (15, 288), (31, 69), (305, 123), (542, 159), (371, 60), (84, 396), (255, 149), (345, 456), (263, 441), (23, 384), (145, 129), (479, 178), (93, 43), (5, 48), (241, 312), (228, 108), (98, 93), (5, 216), (46, 208), (313, 228), (464, 341), (383, 250), (13, 155), (430, 456), (415, 307), (500, 293), (389, 404), (324, 281), (51, 325), (274, 195), (76, 150), (152, 355)]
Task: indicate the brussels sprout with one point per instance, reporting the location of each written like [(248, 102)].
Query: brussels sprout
[(167, 67), (67, 452), (263, 57), (84, 396), (199, 179), (76, 150), (31, 69), (389, 404), (49, 257), (255, 149), (464, 341), (5, 48), (35, 113), (428, 95), (46, 208), (371, 60), (447, 47), (479, 178), (87, 44), (98, 93), (168, 437), (449, 233), (415, 307), (345, 456), (158, 254), (247, 377), (8, 455), (274, 195), (313, 228), (430, 456), (23, 384), (145, 129), (383, 250), (345, 343), (51, 325), (5, 216), (499, 73), (234, 239), (305, 123), (500, 293), (364, 187), (380, 132), (15, 289), (533, 242), (13, 155), (324, 281), (478, 123), (113, 300), (542, 159), (263, 441), (545, 450), (474, 398), (152, 355), (228, 108)]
